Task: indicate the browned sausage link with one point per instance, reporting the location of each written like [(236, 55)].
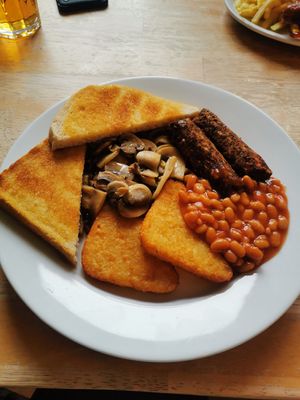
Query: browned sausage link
[(202, 157), (239, 155)]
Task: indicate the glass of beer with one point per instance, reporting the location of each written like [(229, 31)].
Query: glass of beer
[(18, 18)]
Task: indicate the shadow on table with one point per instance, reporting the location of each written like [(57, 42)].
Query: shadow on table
[(277, 52)]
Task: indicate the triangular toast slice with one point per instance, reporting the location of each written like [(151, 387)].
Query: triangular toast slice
[(113, 253), (43, 190), (96, 112)]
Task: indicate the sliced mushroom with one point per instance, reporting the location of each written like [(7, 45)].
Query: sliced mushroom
[(138, 195), (116, 190), (149, 145), (131, 144), (136, 201), (162, 139), (170, 164), (168, 150), (148, 159), (92, 199), (104, 178), (119, 169), (102, 145), (115, 150)]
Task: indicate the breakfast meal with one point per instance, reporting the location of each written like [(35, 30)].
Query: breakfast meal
[(272, 14), (149, 185)]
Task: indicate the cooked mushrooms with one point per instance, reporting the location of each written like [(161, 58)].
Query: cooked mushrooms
[(92, 199), (131, 171)]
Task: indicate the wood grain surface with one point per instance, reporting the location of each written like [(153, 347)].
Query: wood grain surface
[(191, 39)]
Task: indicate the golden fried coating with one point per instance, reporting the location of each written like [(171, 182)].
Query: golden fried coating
[(164, 234), (113, 253)]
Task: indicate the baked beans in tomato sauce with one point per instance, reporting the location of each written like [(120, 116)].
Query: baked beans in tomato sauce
[(247, 228)]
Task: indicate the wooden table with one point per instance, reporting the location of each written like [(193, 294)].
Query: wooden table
[(191, 39)]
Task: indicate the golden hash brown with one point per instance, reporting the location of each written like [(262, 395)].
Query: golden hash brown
[(43, 190), (96, 112), (113, 253), (164, 234)]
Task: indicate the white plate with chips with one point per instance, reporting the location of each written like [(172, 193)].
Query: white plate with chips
[(197, 320), (283, 37)]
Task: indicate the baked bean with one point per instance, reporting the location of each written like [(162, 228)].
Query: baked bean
[(229, 214), (280, 202), (207, 218), (275, 239), (249, 232), (262, 186), (237, 248), (221, 235), (248, 214), (254, 252), (210, 235), (191, 207), (283, 222), (240, 208), (263, 217), (247, 266), (276, 188), (212, 195), (259, 196), (223, 225), (191, 217), (230, 256), (239, 262), (236, 234), (273, 224), (235, 197), (228, 203), (216, 204), (244, 199), (205, 200), (268, 231), (198, 188), (238, 224), (220, 245), (206, 184), (199, 205), (270, 198), (218, 214), (257, 205), (271, 211), (257, 226), (249, 183), (183, 196), (190, 181), (201, 229), (261, 242)]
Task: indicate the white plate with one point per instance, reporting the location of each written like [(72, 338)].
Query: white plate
[(280, 37), (198, 319)]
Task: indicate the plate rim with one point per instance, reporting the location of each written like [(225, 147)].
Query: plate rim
[(283, 38), (126, 355)]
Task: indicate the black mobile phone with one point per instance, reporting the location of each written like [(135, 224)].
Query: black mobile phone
[(69, 6)]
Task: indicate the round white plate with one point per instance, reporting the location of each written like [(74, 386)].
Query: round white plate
[(199, 319), (280, 37)]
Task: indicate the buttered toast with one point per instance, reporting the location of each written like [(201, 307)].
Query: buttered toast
[(43, 190), (97, 112)]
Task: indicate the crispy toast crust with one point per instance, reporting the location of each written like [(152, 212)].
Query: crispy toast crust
[(113, 253), (96, 112), (43, 190), (165, 235)]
